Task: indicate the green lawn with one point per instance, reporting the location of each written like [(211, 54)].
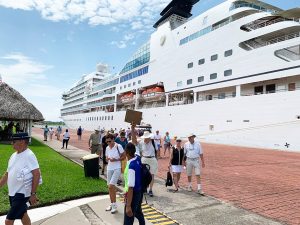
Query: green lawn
[(62, 179)]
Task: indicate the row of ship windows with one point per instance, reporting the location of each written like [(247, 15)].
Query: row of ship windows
[(129, 85), (134, 74), (211, 77), (99, 118), (212, 58), (106, 85)]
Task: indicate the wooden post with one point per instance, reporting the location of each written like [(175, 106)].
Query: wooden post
[(30, 130)]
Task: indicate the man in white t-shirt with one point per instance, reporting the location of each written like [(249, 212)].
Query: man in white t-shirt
[(157, 140), (192, 152), (22, 177)]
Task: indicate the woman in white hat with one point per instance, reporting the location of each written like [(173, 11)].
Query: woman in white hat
[(176, 160)]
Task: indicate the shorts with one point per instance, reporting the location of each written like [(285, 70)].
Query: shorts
[(168, 145), (152, 162), (113, 176), (192, 164), (177, 168), (18, 206), (95, 149)]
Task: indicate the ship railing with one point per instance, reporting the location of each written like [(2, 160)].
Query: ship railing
[(152, 105), (210, 97), (181, 102), (287, 55), (255, 44), (270, 22), (283, 38), (272, 91)]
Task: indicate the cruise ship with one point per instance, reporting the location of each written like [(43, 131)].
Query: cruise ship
[(230, 75)]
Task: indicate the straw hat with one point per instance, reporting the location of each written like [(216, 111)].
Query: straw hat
[(147, 134), (191, 135)]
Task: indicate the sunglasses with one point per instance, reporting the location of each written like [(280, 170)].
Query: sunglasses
[(108, 141), (178, 140)]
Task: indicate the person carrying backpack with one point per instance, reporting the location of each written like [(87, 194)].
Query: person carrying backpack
[(148, 150), (133, 187)]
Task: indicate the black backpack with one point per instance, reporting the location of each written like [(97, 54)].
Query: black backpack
[(146, 177)]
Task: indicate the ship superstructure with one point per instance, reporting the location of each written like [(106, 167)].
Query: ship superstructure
[(231, 75)]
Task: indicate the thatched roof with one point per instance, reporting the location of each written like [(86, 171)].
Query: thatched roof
[(13, 106)]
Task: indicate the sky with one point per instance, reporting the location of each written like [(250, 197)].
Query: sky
[(47, 45)]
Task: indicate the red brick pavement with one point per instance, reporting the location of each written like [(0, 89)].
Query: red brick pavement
[(263, 181)]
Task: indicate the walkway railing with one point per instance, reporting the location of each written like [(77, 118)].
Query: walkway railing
[(255, 44), (268, 23)]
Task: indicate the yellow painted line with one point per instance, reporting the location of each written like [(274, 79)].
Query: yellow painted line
[(154, 216), (149, 213), (158, 220), (165, 223), (148, 210)]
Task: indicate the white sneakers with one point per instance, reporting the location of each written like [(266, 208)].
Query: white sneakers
[(112, 208), (200, 192)]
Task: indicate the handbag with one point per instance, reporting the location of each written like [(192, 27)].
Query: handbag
[(123, 162), (169, 180)]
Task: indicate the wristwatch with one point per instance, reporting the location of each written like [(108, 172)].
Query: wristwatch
[(33, 193)]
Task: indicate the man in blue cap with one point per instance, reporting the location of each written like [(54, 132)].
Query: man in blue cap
[(22, 177)]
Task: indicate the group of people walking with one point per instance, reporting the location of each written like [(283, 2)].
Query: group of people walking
[(49, 132), (115, 148), (123, 159)]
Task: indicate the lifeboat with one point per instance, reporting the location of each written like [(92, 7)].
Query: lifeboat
[(127, 98), (154, 94)]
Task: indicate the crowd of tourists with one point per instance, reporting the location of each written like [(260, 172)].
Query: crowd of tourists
[(130, 156), (141, 147)]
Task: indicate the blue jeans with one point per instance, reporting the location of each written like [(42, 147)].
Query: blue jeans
[(136, 206)]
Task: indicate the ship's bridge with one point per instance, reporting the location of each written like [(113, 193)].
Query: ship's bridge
[(256, 4)]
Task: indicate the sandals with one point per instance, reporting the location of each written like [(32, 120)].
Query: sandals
[(175, 190)]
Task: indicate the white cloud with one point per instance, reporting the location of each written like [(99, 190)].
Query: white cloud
[(94, 12), (127, 39), (136, 25), (22, 69), (28, 77), (119, 44)]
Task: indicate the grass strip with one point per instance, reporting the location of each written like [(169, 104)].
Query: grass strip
[(63, 180)]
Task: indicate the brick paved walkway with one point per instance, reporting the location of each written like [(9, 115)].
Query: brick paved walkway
[(263, 181)]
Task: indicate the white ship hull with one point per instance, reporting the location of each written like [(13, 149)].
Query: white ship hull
[(272, 119)]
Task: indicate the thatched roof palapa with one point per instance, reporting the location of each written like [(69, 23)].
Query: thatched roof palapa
[(13, 106)]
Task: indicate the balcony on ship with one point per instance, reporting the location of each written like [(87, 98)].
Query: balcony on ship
[(285, 84), (181, 98), (266, 21), (216, 94), (271, 38)]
